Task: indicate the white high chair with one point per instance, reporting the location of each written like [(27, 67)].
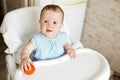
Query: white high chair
[(19, 24)]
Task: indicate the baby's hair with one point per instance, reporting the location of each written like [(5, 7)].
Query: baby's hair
[(55, 8)]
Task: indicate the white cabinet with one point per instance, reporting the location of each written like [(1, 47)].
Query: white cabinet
[(59, 2)]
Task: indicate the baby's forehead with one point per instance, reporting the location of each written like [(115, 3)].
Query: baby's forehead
[(50, 10), (51, 14)]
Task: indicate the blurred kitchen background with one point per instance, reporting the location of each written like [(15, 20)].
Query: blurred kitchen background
[(101, 29)]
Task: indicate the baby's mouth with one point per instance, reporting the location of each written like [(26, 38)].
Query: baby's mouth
[(49, 30)]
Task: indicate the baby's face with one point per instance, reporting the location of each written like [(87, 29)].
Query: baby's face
[(50, 23)]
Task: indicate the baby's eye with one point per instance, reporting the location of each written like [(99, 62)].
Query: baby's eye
[(45, 21), (54, 22)]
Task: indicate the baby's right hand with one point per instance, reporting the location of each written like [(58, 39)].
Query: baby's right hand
[(25, 64)]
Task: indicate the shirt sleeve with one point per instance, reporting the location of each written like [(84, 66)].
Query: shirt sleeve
[(33, 40)]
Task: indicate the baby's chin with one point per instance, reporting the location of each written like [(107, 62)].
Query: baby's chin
[(51, 35)]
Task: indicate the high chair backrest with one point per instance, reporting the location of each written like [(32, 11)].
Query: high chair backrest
[(24, 21)]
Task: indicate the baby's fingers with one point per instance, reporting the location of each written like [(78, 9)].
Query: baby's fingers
[(26, 65), (72, 54)]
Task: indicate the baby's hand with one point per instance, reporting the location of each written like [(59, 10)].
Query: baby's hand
[(25, 64), (71, 53)]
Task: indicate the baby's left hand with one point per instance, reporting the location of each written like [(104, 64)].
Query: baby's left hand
[(71, 53)]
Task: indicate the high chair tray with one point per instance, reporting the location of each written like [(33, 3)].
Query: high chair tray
[(88, 65)]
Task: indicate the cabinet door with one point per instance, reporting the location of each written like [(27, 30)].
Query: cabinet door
[(40, 2), (69, 2), (58, 2)]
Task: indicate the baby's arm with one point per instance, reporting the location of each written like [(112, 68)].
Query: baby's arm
[(69, 50), (25, 53)]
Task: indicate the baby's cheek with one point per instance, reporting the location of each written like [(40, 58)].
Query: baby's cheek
[(41, 26), (57, 30)]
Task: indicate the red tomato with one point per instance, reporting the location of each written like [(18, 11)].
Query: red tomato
[(30, 71)]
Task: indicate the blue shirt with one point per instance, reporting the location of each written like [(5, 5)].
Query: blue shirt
[(46, 48)]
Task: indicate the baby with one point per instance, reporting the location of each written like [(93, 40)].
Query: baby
[(49, 43)]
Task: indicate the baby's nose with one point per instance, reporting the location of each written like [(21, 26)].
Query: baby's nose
[(50, 26)]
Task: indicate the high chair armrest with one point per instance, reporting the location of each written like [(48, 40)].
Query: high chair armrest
[(77, 45), (11, 65)]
